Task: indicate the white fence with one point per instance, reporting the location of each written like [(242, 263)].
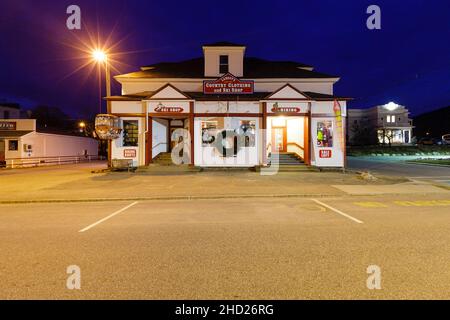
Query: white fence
[(48, 161)]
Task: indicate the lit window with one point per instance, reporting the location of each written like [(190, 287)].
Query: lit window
[(130, 133), (224, 64), (390, 119)]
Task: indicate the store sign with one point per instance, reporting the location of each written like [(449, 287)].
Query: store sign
[(8, 125), (325, 154), (160, 108), (228, 84), (285, 109), (129, 153)]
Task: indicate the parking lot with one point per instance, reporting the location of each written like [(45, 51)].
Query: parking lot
[(277, 248)]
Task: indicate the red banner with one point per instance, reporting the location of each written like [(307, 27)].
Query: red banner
[(8, 125), (228, 84)]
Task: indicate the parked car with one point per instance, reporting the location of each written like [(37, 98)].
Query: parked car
[(428, 141), (446, 139)]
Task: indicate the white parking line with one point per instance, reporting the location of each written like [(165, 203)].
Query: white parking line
[(337, 211), (108, 217)]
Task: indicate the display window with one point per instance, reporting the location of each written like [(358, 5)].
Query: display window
[(130, 133), (210, 129), (13, 145), (325, 134), (247, 129)]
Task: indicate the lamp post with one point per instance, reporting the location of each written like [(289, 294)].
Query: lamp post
[(101, 57)]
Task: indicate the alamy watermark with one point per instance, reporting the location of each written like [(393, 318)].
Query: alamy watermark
[(374, 279), (374, 20), (73, 22), (74, 280), (227, 148)]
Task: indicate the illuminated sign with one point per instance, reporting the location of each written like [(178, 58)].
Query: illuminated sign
[(160, 108), (129, 153), (325, 154), (8, 126), (285, 109), (228, 84)]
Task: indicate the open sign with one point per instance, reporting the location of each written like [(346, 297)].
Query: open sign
[(325, 154)]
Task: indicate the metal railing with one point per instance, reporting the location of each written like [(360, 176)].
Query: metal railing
[(13, 163)]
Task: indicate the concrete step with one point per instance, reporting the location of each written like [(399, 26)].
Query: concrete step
[(156, 169)]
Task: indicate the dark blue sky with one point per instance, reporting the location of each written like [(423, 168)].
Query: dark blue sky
[(407, 61)]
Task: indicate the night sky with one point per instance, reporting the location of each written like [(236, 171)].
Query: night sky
[(407, 61)]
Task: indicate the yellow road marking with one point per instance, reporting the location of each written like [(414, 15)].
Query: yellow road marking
[(370, 204), (423, 203)]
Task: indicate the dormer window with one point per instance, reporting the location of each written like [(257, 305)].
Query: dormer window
[(224, 64)]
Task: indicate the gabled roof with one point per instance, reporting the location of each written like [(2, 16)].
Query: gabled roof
[(168, 92), (288, 92), (254, 68)]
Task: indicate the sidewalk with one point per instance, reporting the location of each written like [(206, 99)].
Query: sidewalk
[(77, 183)]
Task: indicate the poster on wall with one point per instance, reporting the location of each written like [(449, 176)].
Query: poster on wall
[(325, 134)]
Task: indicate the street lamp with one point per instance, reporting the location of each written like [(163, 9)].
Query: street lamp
[(100, 57)]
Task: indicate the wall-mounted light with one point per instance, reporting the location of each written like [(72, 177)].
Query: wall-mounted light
[(391, 106)]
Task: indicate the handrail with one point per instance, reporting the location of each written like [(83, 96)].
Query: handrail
[(161, 143), (296, 144)]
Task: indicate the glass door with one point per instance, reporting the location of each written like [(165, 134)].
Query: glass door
[(279, 139)]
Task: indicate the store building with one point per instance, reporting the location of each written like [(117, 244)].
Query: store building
[(233, 111), (389, 123), (21, 145)]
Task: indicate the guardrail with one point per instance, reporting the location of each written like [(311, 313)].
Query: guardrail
[(47, 161)]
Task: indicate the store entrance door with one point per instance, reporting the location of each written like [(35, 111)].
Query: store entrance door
[(2, 151), (279, 139)]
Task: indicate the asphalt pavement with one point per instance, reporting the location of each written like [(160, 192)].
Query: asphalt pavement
[(397, 168), (228, 249)]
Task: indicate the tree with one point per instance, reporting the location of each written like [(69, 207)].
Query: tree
[(389, 135), (363, 136), (51, 117)]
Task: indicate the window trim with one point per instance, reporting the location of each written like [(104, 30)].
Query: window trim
[(221, 64), (17, 145), (127, 145)]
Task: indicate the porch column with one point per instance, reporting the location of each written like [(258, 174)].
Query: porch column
[(307, 138), (149, 142), (264, 135), (191, 131)]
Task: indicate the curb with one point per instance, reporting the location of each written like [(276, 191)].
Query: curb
[(192, 198), (428, 164), (185, 198)]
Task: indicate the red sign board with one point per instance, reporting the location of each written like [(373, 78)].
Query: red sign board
[(8, 126), (163, 109), (129, 153), (325, 154), (228, 84), (277, 109)]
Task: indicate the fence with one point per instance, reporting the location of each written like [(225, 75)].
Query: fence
[(47, 161)]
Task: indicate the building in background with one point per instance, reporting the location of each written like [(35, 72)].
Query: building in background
[(9, 110), (385, 124), (224, 98), (21, 145)]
